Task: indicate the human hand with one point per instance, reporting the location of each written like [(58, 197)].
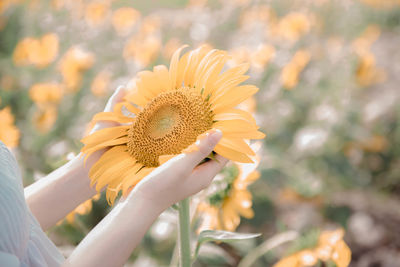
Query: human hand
[(181, 176), (115, 98)]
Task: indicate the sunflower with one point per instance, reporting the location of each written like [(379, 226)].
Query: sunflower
[(330, 248), (230, 198), (164, 113), (82, 209), (9, 134)]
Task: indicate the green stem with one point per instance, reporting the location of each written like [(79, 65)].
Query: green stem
[(184, 233), (175, 256)]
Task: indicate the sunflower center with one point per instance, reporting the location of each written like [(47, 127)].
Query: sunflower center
[(167, 124)]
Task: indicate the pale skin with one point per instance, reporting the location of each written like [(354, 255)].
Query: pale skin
[(112, 241)]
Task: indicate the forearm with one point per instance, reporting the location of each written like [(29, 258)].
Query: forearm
[(51, 198), (112, 241)]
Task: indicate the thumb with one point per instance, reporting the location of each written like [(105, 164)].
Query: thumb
[(115, 98), (203, 147)]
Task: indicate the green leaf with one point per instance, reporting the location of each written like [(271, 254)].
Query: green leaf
[(221, 236)]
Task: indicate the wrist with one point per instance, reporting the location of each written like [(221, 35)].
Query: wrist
[(147, 203)]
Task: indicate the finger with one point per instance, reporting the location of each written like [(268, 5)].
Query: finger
[(115, 98), (203, 174), (205, 146)]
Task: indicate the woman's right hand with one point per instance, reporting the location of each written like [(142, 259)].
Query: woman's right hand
[(182, 176), (112, 241)]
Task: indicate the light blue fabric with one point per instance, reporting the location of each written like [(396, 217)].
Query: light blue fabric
[(22, 241)]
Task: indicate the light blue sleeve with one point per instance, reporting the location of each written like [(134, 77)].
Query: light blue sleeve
[(22, 241), (9, 260)]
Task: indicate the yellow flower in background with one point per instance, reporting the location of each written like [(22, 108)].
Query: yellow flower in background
[(376, 143), (46, 93), (96, 12), (259, 57), (45, 117), (330, 247), (72, 65), (170, 47), (123, 19), (142, 49), (231, 198), (58, 4), (262, 55), (305, 258), (258, 14), (101, 83), (39, 52), (239, 55), (82, 209), (367, 73), (168, 110), (291, 196), (9, 134), (46, 96), (150, 25), (197, 3), (290, 73), (294, 25), (373, 144), (381, 4), (363, 43), (6, 4)]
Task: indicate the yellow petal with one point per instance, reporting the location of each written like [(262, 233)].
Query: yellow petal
[(115, 171), (112, 154), (291, 261), (226, 88), (232, 154), (162, 77), (128, 106), (194, 58), (111, 116), (341, 254), (210, 59), (235, 126), (230, 218), (245, 135), (88, 149), (146, 85), (245, 212), (181, 69), (225, 77), (208, 79), (107, 163), (213, 74), (134, 96), (111, 194), (133, 179), (233, 114), (235, 97), (105, 135), (237, 144), (173, 67)]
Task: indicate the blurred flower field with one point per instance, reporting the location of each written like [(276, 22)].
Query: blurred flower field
[(328, 173)]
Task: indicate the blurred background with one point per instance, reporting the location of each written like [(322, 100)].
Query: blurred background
[(329, 77)]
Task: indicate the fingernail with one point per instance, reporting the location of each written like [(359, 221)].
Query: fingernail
[(215, 135)]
